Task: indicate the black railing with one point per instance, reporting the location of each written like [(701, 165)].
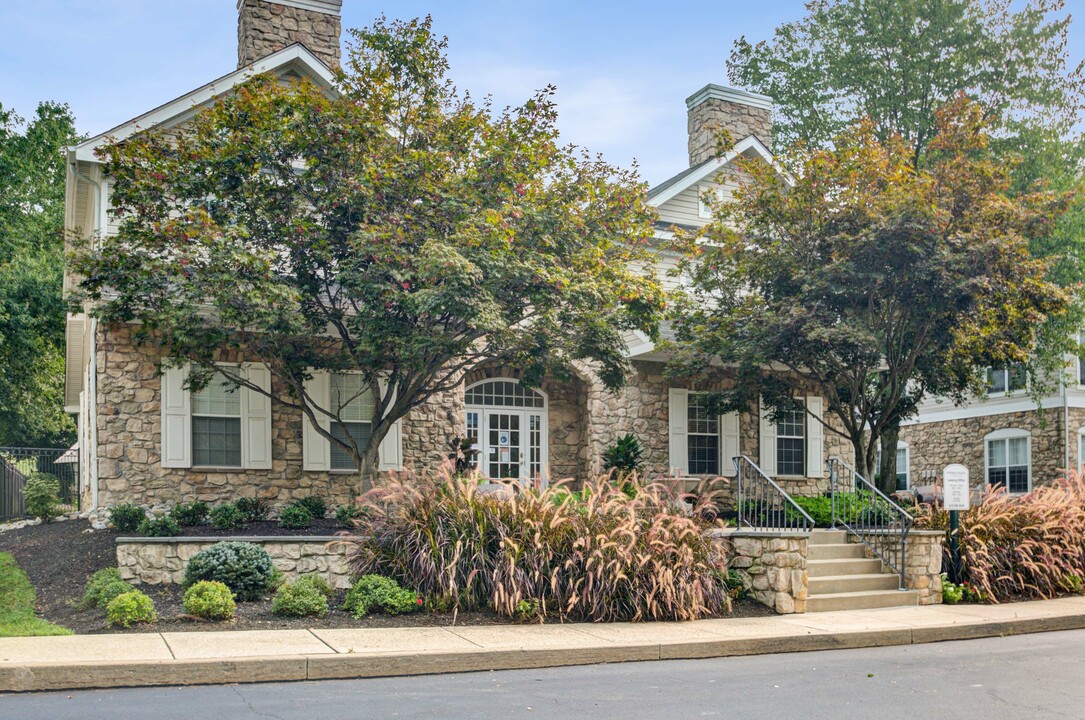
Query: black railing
[(866, 512), (18, 464), (763, 504)]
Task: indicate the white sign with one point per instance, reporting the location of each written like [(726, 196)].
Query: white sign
[(955, 492)]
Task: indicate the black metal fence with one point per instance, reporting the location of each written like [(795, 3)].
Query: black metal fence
[(18, 464)]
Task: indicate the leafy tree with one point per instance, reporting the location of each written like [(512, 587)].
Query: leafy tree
[(870, 281), (393, 227), (31, 262)]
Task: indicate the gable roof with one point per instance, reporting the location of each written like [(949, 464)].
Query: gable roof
[(296, 57), (691, 176)]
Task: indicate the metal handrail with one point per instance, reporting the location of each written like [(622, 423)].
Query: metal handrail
[(877, 521), (763, 504)]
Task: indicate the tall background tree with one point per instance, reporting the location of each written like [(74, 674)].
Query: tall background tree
[(394, 228), (31, 266), (896, 62), (869, 281)]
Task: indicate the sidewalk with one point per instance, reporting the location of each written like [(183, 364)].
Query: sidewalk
[(192, 658)]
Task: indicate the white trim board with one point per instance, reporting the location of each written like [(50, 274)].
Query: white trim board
[(749, 145)]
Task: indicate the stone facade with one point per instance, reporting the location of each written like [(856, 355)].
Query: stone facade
[(714, 109), (923, 565), (162, 561), (933, 445), (267, 26), (773, 566)]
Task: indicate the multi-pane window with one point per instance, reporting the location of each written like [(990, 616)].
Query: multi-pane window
[(352, 401), (216, 425), (703, 436), (1007, 379), (902, 467), (503, 393), (791, 442), (1008, 463)]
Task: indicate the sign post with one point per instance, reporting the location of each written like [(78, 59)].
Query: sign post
[(955, 497)]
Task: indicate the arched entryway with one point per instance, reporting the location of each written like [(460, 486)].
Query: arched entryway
[(507, 425)]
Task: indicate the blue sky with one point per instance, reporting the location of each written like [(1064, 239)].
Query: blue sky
[(623, 69)]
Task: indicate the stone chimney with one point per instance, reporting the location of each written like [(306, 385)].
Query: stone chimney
[(714, 108), (267, 26)]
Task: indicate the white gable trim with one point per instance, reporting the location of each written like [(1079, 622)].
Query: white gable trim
[(747, 146), (184, 107)]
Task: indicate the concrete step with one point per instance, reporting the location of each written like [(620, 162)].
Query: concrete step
[(828, 537), (861, 600), (836, 551), (850, 566), (833, 584)]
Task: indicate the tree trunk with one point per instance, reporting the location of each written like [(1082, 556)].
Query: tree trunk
[(887, 480), (367, 466), (863, 464)]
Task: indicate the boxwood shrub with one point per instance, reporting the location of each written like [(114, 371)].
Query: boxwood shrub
[(375, 593), (102, 587), (300, 599), (126, 517), (130, 608), (210, 600), (164, 526), (243, 567), (295, 517)]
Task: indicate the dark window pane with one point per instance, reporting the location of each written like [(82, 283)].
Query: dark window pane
[(704, 455), (1019, 479), (996, 476), (341, 459), (790, 456), (216, 442)]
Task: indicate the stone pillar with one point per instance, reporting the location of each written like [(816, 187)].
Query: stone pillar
[(923, 565), (267, 26), (773, 565), (714, 108)]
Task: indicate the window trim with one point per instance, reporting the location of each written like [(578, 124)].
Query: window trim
[(1004, 436), (192, 415), (544, 426), (718, 435), (332, 421), (805, 442), (1009, 391)]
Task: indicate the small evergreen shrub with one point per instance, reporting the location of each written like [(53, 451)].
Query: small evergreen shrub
[(375, 593), (625, 456), (129, 609), (189, 514), (295, 517), (41, 496), (126, 517), (210, 600), (243, 567), (317, 582), (345, 515), (164, 526), (254, 509), (227, 517), (299, 599), (102, 587), (315, 505)]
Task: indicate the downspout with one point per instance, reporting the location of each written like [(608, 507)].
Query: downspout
[(1066, 425)]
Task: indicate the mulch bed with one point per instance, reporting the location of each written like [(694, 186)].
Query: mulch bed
[(59, 557), (267, 528)]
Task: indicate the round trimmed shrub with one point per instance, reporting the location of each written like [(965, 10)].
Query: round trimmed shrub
[(102, 587), (315, 505), (253, 509), (41, 496), (188, 514), (295, 517), (210, 600), (243, 567), (299, 599), (126, 517), (130, 608), (376, 593), (227, 517), (164, 526)]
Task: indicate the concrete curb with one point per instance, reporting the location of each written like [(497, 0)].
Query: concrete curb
[(28, 676)]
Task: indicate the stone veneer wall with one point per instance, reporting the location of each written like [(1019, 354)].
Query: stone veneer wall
[(267, 27), (714, 114), (933, 445), (922, 564), (773, 566), (162, 561)]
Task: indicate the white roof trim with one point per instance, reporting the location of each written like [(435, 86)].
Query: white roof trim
[(712, 91), (748, 145), (185, 106)]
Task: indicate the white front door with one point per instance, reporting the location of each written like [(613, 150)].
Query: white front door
[(507, 428)]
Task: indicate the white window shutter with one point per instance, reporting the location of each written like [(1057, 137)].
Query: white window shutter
[(815, 438), (176, 419), (256, 419), (316, 450), (767, 441), (678, 422), (391, 449), (729, 443)]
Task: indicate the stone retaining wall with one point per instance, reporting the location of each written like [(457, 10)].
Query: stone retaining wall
[(162, 561), (922, 564), (773, 566)]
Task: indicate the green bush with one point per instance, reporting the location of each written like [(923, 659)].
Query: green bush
[(345, 515), (164, 526), (625, 456), (243, 567), (317, 582), (41, 496), (375, 593), (130, 608), (299, 599), (295, 517), (855, 508), (210, 600), (188, 514), (315, 505), (126, 517), (102, 587), (227, 517), (254, 509)]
